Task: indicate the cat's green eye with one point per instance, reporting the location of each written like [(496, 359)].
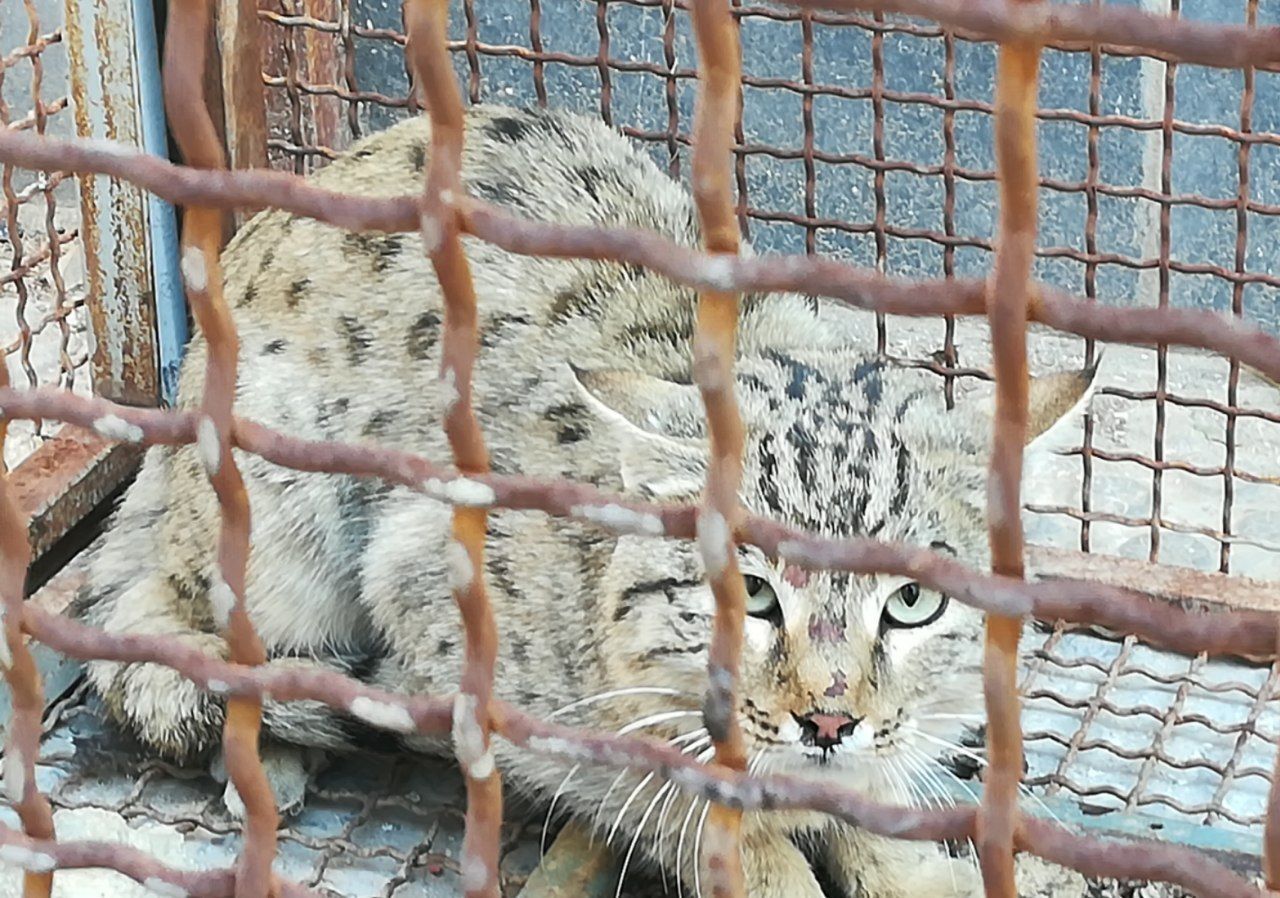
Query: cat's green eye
[(762, 601), (910, 606)]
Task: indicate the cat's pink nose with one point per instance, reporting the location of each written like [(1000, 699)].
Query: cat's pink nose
[(825, 730)]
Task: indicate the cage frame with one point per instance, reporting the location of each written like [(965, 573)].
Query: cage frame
[(215, 190)]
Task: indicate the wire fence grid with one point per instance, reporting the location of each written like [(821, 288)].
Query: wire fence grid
[(868, 138), (441, 214), (46, 340)]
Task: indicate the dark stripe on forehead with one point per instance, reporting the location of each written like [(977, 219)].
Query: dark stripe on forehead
[(802, 441), (769, 474), (899, 501), (868, 375)]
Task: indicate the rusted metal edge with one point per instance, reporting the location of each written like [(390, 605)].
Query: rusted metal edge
[(106, 93), (1182, 586), (244, 101), (57, 487), (66, 478)]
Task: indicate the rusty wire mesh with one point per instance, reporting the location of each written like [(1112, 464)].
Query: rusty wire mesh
[(42, 275), (829, 115), (441, 214)]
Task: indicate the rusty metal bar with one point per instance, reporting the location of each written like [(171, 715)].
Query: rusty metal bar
[(857, 287), (1013, 21), (184, 79), (427, 24), (1146, 860), (22, 735), (22, 743), (1017, 81), (716, 114), (1244, 633)]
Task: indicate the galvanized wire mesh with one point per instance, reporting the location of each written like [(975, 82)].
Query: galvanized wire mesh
[(442, 213), (1119, 727), (42, 261)]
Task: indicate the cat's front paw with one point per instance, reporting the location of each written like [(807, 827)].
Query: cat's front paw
[(289, 771)]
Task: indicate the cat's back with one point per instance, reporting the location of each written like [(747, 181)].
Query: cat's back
[(321, 310)]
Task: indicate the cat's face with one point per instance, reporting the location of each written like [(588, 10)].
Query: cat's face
[(866, 677)]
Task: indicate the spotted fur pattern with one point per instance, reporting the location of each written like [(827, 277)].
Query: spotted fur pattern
[(584, 372)]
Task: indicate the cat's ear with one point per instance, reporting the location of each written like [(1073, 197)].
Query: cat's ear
[(1055, 403), (658, 426)]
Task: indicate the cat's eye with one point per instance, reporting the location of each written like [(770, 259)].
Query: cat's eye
[(762, 601), (910, 606)]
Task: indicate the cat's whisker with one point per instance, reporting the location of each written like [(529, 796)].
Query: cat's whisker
[(703, 756), (931, 763), (551, 808), (635, 839), (626, 806), (631, 727), (638, 724), (684, 829), (951, 746), (913, 767), (982, 762), (699, 746), (628, 728), (697, 850), (898, 782), (950, 715), (925, 765), (618, 693)]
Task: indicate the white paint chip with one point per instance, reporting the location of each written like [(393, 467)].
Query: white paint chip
[(460, 491), (26, 859), (207, 446), (718, 272), (458, 566), (6, 657), (432, 235), (713, 539), (468, 739), (475, 875), (164, 888), (193, 270), (113, 427), (15, 776), (382, 714), (449, 394), (620, 519), (221, 600), (218, 687)]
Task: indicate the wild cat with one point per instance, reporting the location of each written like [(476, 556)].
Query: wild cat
[(584, 372)]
